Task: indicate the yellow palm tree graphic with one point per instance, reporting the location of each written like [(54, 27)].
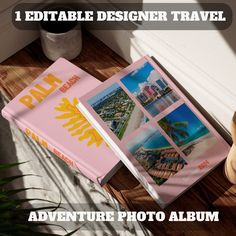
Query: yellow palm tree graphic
[(77, 123)]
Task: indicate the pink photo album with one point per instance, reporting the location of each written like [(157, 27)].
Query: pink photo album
[(46, 111), (154, 129)]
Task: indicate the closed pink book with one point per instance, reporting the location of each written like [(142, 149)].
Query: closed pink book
[(154, 129), (46, 111)]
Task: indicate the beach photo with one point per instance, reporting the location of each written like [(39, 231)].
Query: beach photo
[(187, 131), (159, 159), (117, 110), (150, 89)]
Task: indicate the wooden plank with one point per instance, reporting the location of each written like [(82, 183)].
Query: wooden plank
[(213, 192)]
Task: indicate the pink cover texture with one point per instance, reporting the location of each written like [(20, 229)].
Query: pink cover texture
[(154, 129), (46, 111)]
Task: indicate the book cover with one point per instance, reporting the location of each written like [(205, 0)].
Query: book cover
[(46, 111), (154, 129)]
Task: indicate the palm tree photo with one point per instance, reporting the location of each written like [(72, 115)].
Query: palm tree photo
[(177, 131)]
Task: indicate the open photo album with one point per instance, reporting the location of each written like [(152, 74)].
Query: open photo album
[(154, 129)]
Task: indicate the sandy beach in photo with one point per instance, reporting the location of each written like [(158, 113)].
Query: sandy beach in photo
[(135, 121), (200, 146), (155, 154)]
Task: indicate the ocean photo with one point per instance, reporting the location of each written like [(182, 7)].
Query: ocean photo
[(159, 159), (187, 131), (118, 111), (150, 89)]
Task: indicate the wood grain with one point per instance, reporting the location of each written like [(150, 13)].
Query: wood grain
[(213, 192)]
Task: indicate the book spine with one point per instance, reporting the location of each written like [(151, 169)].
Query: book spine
[(33, 135)]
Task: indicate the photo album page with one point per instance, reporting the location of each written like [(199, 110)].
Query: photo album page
[(160, 131)]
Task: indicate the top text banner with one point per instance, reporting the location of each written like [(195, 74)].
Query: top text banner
[(129, 16)]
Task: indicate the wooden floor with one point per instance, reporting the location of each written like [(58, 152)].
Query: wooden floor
[(213, 193)]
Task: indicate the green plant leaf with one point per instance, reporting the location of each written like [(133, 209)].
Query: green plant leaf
[(13, 217), (7, 180), (7, 166), (183, 124)]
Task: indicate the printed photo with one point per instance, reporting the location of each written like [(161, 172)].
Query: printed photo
[(187, 131), (156, 155), (150, 89), (118, 111)]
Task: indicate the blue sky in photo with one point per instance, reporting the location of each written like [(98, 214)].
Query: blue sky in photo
[(183, 113), (140, 75), (102, 94)]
